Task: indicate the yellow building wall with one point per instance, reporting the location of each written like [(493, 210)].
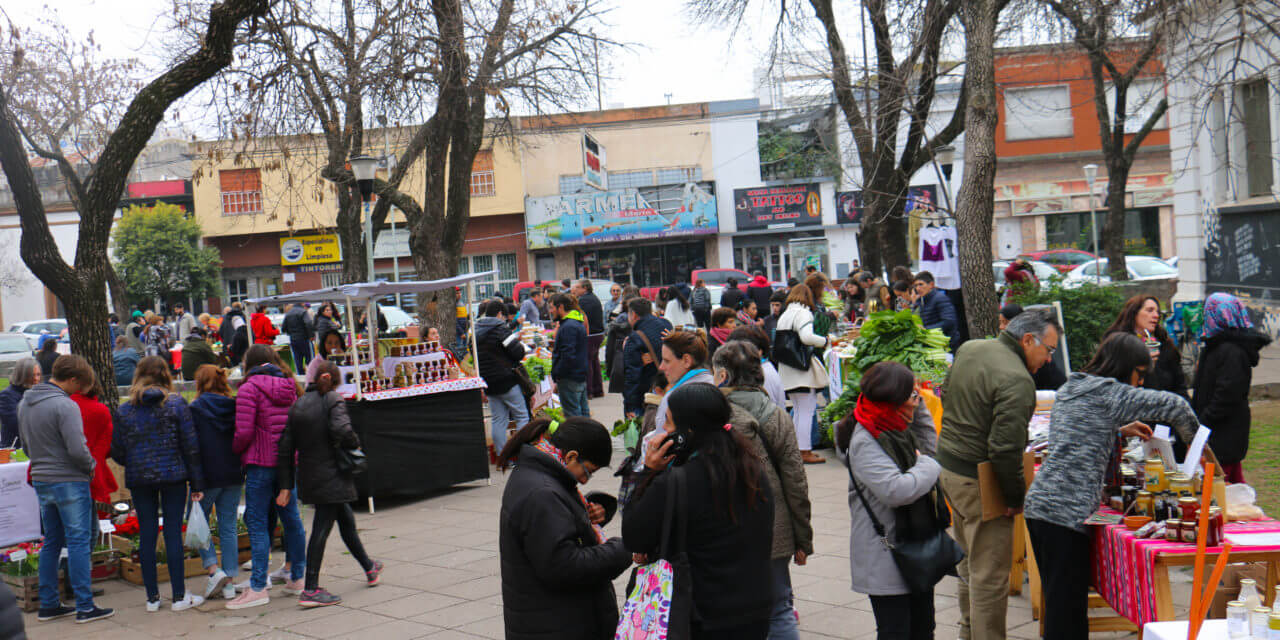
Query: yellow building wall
[(628, 145), (295, 198)]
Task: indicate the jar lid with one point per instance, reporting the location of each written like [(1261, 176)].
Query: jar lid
[(1235, 603), (1188, 501), (1261, 610), (1245, 581), (1144, 493)]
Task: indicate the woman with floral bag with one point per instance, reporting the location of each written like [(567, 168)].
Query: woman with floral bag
[(557, 566)]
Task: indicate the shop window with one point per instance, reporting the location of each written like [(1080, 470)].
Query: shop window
[(1257, 137), (241, 191), (571, 183), (637, 179), (482, 182), (1140, 102), (331, 279), (237, 290), (643, 266), (1073, 231), (1037, 112), (504, 281)]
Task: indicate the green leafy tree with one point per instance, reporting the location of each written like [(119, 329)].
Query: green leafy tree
[(1087, 311), (158, 253)]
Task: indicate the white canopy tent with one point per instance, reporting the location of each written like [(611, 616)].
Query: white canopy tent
[(363, 292)]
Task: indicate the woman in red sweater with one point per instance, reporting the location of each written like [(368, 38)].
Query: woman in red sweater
[(97, 434)]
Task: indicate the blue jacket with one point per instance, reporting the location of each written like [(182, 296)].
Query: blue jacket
[(638, 376), (937, 312), (156, 442), (9, 399), (125, 362), (214, 418), (569, 357)]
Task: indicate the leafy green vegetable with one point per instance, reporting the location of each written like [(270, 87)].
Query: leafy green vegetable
[(537, 368), (901, 337)]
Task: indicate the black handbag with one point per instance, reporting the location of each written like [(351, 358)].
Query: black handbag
[(923, 557), (350, 462), (789, 350)]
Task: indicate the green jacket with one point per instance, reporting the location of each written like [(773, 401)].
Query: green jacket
[(987, 404), (195, 353)]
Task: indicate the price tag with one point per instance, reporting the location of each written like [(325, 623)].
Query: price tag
[(18, 555), (105, 527)]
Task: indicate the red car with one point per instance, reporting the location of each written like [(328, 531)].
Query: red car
[(1063, 260)]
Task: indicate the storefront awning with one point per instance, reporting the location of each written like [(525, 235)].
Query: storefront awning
[(366, 290)]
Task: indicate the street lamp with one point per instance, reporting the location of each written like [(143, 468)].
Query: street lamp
[(364, 168), (386, 154), (1091, 174)]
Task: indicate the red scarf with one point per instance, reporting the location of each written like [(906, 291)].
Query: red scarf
[(879, 417), (721, 334)]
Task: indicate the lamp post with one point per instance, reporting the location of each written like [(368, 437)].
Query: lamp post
[(1091, 174), (395, 256), (364, 168)]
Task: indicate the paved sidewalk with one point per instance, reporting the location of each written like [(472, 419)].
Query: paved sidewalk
[(442, 578)]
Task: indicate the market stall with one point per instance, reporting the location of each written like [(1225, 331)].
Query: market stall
[(417, 410)]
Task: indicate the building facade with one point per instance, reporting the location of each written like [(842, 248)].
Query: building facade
[(1225, 143), (1048, 131)]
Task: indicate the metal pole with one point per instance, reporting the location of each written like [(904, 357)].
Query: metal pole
[(1093, 225), (395, 257), (355, 353), (368, 240)]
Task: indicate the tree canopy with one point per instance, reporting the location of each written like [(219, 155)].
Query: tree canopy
[(158, 254)]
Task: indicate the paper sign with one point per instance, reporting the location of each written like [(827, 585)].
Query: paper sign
[(105, 527), (1161, 444), (1162, 431), (17, 555), (1192, 461), (545, 385)]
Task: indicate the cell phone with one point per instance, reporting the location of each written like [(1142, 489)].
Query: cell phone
[(680, 447)]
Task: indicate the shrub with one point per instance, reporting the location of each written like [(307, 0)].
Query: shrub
[(1087, 311)]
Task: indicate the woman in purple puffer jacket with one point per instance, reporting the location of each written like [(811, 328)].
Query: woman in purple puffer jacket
[(262, 409)]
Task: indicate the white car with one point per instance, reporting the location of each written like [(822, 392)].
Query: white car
[(1043, 270), (1139, 267), (34, 328)]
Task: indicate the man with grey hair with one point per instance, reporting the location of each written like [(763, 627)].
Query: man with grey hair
[(26, 373), (989, 399), (594, 312)]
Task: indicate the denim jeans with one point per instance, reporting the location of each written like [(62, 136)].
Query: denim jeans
[(573, 395), (260, 489), (225, 502), (301, 354), (503, 409), (149, 501), (782, 620), (66, 511)]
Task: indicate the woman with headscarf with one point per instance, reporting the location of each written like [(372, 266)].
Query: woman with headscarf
[(1223, 378)]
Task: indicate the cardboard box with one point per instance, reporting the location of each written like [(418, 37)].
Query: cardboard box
[(1229, 587)]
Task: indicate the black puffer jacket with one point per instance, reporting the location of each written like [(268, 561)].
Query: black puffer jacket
[(317, 424), (556, 577), (1167, 374), (499, 351), (1222, 383)]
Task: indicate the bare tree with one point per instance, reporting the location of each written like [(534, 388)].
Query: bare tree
[(81, 287), (898, 83), (1099, 28)]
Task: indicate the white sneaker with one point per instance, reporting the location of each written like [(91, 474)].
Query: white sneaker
[(229, 592), (279, 575), (153, 605), (216, 582), (190, 601), (247, 565)]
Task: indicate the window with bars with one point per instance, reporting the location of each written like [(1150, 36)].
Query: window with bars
[(636, 179), (331, 279), (241, 191), (482, 182), (237, 290), (504, 281), (670, 198)]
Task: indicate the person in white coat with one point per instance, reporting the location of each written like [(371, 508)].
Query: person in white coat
[(887, 444), (802, 385), (679, 312)]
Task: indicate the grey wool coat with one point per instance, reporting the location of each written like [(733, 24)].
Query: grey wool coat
[(885, 488), (773, 438)]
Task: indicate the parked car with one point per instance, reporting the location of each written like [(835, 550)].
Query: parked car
[(520, 292), (716, 280), (1139, 268), (34, 328), (13, 347), (1043, 270), (1063, 260)]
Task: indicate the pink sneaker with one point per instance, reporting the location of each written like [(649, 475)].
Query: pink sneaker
[(294, 587), (249, 598)]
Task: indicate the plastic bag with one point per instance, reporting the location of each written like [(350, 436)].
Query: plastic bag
[(197, 536), (1241, 503)]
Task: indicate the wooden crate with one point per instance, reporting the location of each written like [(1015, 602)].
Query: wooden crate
[(27, 590), (105, 565), (132, 571)]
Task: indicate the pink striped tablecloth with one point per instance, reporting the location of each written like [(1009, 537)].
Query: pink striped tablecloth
[(1123, 566)]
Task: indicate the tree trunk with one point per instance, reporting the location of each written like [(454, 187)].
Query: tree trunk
[(1112, 232), (871, 244), (351, 235), (977, 191), (86, 323), (119, 295)]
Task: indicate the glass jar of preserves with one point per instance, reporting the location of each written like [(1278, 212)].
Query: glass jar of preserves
[(1259, 626), (1237, 620), (1145, 504), (1216, 523), (1180, 485), (1190, 509), (1173, 530), (1188, 531), (1156, 480), (1129, 495)]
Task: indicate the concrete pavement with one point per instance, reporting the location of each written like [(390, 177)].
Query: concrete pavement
[(442, 578)]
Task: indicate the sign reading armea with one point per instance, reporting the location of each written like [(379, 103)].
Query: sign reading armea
[(612, 216)]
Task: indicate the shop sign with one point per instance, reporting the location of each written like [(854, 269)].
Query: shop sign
[(594, 173), (781, 207), (849, 207), (921, 202), (1058, 196), (300, 250), (391, 245), (614, 216)]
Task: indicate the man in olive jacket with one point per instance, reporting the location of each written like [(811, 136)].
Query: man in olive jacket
[(988, 403)]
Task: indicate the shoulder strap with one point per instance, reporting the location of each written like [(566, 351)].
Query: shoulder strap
[(648, 345), (875, 522)]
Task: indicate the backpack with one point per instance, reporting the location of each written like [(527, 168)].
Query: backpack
[(701, 299)]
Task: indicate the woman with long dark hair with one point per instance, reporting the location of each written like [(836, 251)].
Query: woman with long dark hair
[(1103, 400), (1140, 316), (45, 356), (328, 319), (557, 565), (726, 514), (679, 313)]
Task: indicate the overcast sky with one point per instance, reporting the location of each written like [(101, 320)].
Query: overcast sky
[(692, 63)]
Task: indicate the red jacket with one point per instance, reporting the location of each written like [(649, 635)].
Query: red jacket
[(263, 331), (97, 434)]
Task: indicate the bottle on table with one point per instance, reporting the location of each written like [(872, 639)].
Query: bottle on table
[(1249, 594), (1259, 623), (1237, 619)]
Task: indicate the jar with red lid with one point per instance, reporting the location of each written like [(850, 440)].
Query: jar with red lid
[(1216, 523), (1190, 509)]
